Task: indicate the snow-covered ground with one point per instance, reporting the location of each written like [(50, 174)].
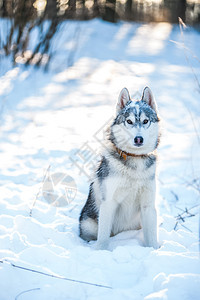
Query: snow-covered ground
[(50, 127)]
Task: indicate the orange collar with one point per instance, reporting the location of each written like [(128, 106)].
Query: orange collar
[(126, 154)]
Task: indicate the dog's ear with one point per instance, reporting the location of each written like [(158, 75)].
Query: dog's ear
[(124, 97), (147, 96)]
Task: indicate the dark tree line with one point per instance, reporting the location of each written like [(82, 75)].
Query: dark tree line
[(110, 10), (28, 14)]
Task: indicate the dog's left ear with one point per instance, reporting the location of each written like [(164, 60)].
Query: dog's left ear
[(124, 97), (147, 96)]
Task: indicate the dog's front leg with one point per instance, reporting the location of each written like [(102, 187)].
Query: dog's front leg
[(149, 217), (106, 215)]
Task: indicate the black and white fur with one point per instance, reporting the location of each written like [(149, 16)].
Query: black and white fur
[(122, 195)]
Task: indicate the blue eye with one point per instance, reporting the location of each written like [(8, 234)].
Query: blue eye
[(129, 121), (145, 121)]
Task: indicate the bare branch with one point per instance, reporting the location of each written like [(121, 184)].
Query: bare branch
[(39, 191), (54, 276), (36, 289)]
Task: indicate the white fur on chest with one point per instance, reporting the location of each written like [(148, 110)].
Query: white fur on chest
[(124, 188), (125, 194), (134, 171)]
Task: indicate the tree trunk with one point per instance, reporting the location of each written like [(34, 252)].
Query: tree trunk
[(51, 9), (182, 10), (110, 14), (128, 10)]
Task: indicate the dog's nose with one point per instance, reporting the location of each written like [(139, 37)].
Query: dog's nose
[(138, 140)]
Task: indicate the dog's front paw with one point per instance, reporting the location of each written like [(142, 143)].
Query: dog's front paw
[(154, 245), (101, 245)]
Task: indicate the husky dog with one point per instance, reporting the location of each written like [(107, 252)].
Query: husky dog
[(122, 195)]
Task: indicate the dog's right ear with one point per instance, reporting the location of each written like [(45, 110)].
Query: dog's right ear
[(124, 97)]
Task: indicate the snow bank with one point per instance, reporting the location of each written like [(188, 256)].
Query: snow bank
[(46, 118)]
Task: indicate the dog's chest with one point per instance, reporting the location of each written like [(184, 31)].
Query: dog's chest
[(129, 186), (134, 170), (128, 196), (128, 180)]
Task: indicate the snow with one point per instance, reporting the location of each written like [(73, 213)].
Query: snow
[(49, 118)]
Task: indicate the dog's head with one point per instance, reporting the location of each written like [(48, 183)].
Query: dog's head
[(135, 129)]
